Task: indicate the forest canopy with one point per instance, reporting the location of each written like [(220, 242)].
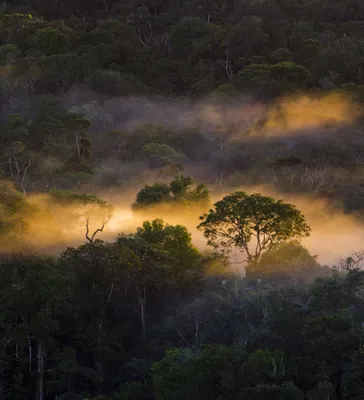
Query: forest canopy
[(122, 123)]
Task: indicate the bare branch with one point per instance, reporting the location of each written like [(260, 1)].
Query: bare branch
[(78, 145), (19, 163), (140, 38), (105, 5), (227, 66), (110, 293), (88, 230), (183, 338), (299, 302), (99, 230)]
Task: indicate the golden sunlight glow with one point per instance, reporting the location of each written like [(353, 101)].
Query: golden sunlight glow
[(287, 116), (52, 227)]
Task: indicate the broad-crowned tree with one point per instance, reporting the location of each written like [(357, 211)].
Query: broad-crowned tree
[(166, 257), (253, 224)]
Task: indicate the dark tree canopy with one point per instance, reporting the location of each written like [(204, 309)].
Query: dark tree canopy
[(98, 96), (182, 191), (290, 260)]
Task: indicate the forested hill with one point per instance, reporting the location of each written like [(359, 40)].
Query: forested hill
[(184, 47), (78, 78), (170, 116)]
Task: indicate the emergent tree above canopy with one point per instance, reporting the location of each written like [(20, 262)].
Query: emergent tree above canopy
[(252, 223)]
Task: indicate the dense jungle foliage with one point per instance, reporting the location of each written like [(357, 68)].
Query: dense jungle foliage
[(157, 97), (99, 92)]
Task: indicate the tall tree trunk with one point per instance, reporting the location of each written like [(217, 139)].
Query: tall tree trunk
[(30, 354), (98, 360), (1, 386), (105, 5), (40, 374), (78, 145), (141, 296)]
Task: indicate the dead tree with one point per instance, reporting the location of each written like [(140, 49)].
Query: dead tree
[(98, 230), (19, 161)]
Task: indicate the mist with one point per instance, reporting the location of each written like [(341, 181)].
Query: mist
[(54, 227), (335, 234), (301, 113), (254, 131)]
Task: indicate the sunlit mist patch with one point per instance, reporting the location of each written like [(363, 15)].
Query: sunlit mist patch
[(292, 114), (52, 226), (286, 116)]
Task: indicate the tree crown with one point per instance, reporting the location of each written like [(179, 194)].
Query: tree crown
[(252, 223)]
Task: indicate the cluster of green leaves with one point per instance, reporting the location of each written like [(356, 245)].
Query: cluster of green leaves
[(119, 49), (69, 198), (179, 192), (253, 223)]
